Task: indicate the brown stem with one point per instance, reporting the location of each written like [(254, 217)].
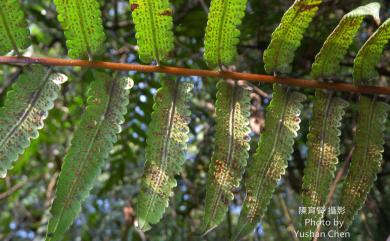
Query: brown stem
[(229, 221), (289, 221), (198, 72), (13, 189), (339, 175)]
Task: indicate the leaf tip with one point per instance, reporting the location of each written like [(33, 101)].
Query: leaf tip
[(59, 79), (3, 173), (206, 229), (142, 225), (129, 83), (240, 232)]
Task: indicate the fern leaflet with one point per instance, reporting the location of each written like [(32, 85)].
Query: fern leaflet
[(82, 24), (335, 47), (153, 24), (26, 107), (367, 157), (222, 34), (231, 151), (90, 146), (14, 32), (369, 55), (287, 37), (324, 147), (270, 160), (165, 150)]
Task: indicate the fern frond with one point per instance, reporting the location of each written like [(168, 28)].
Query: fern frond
[(165, 150), (336, 45), (83, 27), (26, 107), (323, 143), (369, 56), (287, 37), (14, 32), (90, 146), (231, 151), (270, 160), (222, 34), (153, 24), (367, 157)]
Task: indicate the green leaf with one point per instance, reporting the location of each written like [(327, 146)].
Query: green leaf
[(367, 157), (91, 145), (323, 143), (14, 32), (231, 151), (153, 24), (287, 37), (222, 34), (270, 160), (26, 107), (165, 151), (327, 61), (82, 24), (369, 55)]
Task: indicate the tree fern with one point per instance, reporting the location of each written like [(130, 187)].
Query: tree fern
[(328, 111), (26, 107), (82, 23), (153, 24), (287, 37), (270, 161), (165, 150), (14, 33), (324, 147), (369, 55), (367, 157), (222, 34), (335, 47), (231, 151), (91, 145)]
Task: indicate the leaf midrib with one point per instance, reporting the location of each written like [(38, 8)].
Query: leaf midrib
[(220, 31), (231, 147), (82, 26), (154, 30), (324, 127)]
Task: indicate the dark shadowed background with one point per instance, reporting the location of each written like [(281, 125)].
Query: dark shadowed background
[(108, 214)]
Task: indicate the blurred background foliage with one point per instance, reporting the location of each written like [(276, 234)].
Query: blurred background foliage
[(108, 214)]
